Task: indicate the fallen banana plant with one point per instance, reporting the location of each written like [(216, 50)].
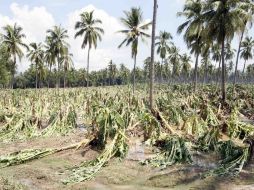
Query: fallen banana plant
[(87, 170), (23, 156)]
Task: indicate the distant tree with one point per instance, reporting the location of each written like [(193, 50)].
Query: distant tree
[(162, 44), (247, 50), (135, 29), (36, 56), (89, 28), (67, 62), (56, 38), (12, 38), (223, 19), (194, 29)]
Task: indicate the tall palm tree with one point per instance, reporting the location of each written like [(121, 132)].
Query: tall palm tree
[(249, 7), (49, 59), (247, 50), (13, 40), (112, 72), (174, 58), (205, 63), (67, 62), (135, 29), (147, 63), (36, 56), (56, 39), (216, 56), (155, 7), (223, 20), (162, 44), (194, 28), (89, 28), (186, 66)]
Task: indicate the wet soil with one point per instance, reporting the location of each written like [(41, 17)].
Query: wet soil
[(47, 173)]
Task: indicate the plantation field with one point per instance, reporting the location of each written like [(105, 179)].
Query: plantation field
[(105, 138)]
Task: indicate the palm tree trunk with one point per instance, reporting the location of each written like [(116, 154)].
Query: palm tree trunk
[(155, 6), (64, 78), (206, 73), (134, 74), (237, 60), (13, 71), (223, 82), (49, 76), (87, 72), (161, 70), (36, 76), (244, 66), (218, 73), (195, 78), (58, 75)]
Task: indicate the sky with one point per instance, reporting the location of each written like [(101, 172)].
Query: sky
[(37, 16)]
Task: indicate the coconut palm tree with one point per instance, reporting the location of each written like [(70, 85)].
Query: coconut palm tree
[(186, 66), (89, 28), (194, 28), (223, 20), (67, 62), (216, 56), (36, 56), (162, 44), (174, 58), (56, 39), (247, 47), (135, 30), (147, 63), (248, 6), (49, 59), (12, 38), (155, 7), (112, 72)]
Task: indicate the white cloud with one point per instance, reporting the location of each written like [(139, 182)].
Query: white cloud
[(34, 21)]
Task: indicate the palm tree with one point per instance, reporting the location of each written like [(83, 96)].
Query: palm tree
[(223, 20), (56, 39), (112, 72), (147, 63), (249, 7), (247, 50), (205, 63), (163, 46), (194, 27), (124, 73), (135, 29), (49, 59), (216, 56), (174, 59), (67, 62), (89, 28), (155, 7), (36, 56), (186, 66), (13, 40)]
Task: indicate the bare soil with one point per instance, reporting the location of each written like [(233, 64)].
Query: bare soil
[(47, 173)]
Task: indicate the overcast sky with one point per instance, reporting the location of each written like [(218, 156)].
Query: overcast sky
[(36, 16)]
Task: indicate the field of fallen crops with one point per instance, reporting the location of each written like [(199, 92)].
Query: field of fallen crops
[(105, 138)]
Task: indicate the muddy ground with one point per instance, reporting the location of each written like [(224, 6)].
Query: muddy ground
[(129, 174)]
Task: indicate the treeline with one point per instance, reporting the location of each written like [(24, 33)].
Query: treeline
[(207, 34)]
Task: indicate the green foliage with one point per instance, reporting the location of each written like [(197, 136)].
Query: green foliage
[(174, 151)]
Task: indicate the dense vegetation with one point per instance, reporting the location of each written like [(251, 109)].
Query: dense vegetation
[(181, 123), (187, 112)]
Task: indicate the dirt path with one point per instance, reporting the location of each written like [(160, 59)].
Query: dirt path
[(47, 173)]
